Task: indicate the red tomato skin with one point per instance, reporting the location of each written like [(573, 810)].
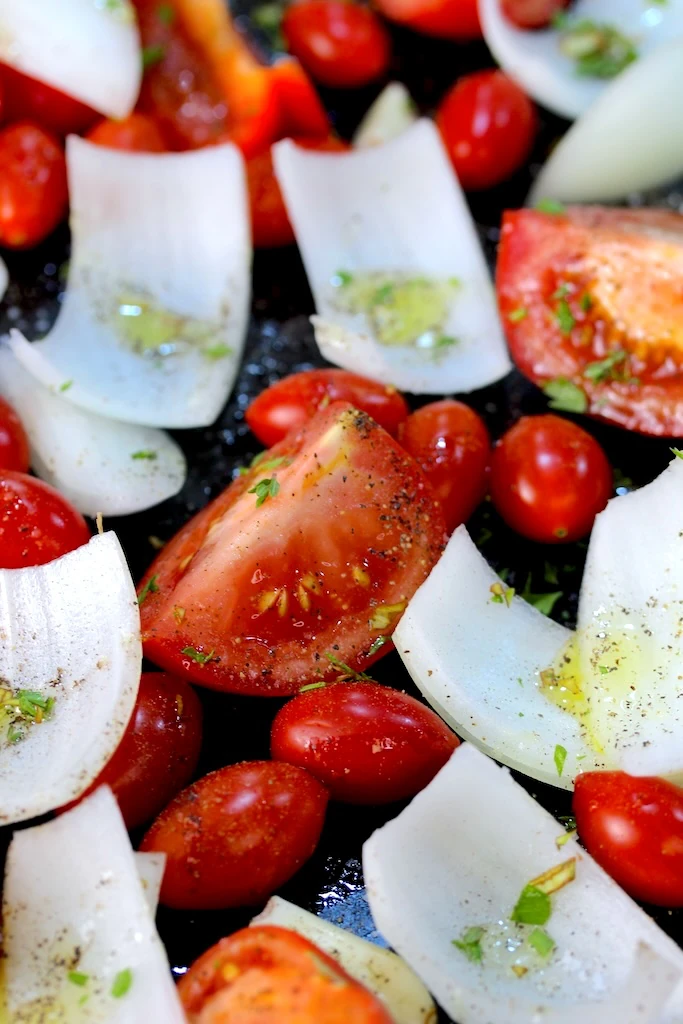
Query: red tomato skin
[(159, 751), (37, 524), (339, 42), (27, 99), (302, 113), (137, 133), (447, 19), (549, 479), (367, 744), (633, 827), (451, 444), (14, 448), (488, 126), (238, 834), (33, 189), (532, 13), (289, 403)]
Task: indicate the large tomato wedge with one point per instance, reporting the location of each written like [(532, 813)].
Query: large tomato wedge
[(592, 300), (300, 565)]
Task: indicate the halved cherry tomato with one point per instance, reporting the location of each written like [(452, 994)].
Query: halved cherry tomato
[(340, 43), (33, 189), (27, 99), (549, 479), (270, 975), (301, 110), (451, 19), (532, 13), (269, 221), (138, 133), (237, 835), (591, 300), (159, 750), (315, 551), (37, 524), (292, 401), (368, 744), (488, 126), (14, 450), (633, 827), (451, 444)]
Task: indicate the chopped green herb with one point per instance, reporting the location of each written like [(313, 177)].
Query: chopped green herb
[(564, 838), (146, 453), (469, 943), (383, 294), (501, 594), (312, 686), (562, 292), (376, 644), (544, 602), (265, 489), (66, 385), (198, 656), (677, 452), (346, 669), (342, 278), (541, 942), (280, 460), (565, 396), (23, 708), (532, 907), (620, 480), (150, 587), (444, 341), (568, 820), (586, 302), (520, 680), (268, 17), (604, 369), (122, 983), (555, 878), (603, 670), (217, 351), (550, 206), (564, 316), (484, 536), (14, 735), (518, 314), (559, 757), (166, 14), (78, 978), (550, 573), (151, 55), (600, 50)]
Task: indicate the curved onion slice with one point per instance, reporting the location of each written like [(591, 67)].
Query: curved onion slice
[(150, 868), (630, 139), (88, 49), (395, 209), (392, 113), (380, 970), (478, 660), (534, 58), (70, 630), (458, 857), (100, 465), (153, 321), (73, 902)]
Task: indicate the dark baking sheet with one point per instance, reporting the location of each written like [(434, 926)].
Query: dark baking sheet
[(281, 342)]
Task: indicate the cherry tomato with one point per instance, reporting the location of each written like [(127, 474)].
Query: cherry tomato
[(27, 99), (159, 750), (237, 835), (368, 744), (14, 450), (138, 133), (289, 403), (340, 43), (313, 553), (549, 479), (301, 110), (451, 19), (270, 975), (633, 827), (532, 13), (451, 444), (33, 189), (269, 221), (37, 524), (591, 303), (488, 126)]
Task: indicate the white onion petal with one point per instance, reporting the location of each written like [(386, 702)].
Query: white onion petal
[(153, 321), (459, 857), (4, 278), (392, 113), (151, 867), (70, 630)]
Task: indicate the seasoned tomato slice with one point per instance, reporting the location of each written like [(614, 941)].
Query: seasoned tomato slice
[(592, 300), (305, 562)]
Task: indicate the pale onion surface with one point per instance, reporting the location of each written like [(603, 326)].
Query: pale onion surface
[(459, 856), (629, 140), (88, 49), (535, 60), (395, 209), (73, 901), (380, 970), (166, 235), (150, 868), (69, 630), (4, 278), (391, 114)]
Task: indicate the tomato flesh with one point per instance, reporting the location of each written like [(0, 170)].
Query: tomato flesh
[(289, 403), (255, 598), (451, 444), (488, 126), (270, 975), (301, 110), (368, 744), (532, 13), (341, 44), (450, 19), (235, 836), (138, 133), (27, 99), (14, 449), (33, 189), (37, 524), (593, 284), (633, 827)]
